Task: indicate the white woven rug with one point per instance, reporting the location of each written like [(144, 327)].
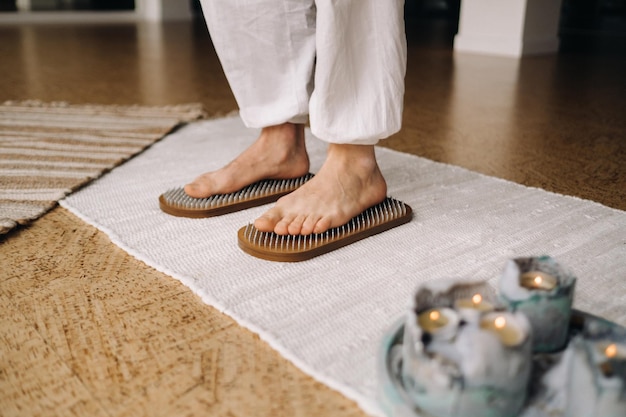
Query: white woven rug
[(327, 315)]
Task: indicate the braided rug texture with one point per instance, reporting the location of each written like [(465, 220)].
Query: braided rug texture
[(328, 315), (47, 150)]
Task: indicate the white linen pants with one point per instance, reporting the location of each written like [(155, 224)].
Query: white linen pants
[(341, 63)]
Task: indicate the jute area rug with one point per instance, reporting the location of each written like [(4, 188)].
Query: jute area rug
[(47, 150), (328, 315)]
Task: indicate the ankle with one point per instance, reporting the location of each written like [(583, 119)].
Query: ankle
[(288, 133), (281, 149), (355, 157)]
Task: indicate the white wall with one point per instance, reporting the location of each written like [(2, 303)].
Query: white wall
[(151, 10), (508, 27), (163, 9)]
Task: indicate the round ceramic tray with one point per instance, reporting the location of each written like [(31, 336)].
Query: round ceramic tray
[(395, 401)]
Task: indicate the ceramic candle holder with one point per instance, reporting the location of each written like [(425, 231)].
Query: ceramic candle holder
[(470, 358), (589, 380), (543, 290)]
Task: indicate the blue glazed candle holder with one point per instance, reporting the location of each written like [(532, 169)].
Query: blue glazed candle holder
[(464, 355), (542, 290)]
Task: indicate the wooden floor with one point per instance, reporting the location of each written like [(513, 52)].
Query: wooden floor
[(88, 330)]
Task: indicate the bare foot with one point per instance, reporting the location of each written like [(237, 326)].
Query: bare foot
[(278, 153), (349, 182)]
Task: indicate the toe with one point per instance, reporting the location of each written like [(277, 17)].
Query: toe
[(295, 226), (193, 190), (282, 227), (267, 222), (309, 225), (322, 225), (200, 187)]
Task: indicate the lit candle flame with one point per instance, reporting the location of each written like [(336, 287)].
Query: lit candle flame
[(506, 327), (477, 299), (611, 350), (440, 323), (537, 280)]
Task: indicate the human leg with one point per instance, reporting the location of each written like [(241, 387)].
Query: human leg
[(357, 100), (267, 50)]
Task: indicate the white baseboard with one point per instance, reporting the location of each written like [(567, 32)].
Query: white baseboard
[(65, 17), (491, 45)]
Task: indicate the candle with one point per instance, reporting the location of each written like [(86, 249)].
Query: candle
[(476, 303), (463, 375), (537, 280), (609, 355), (440, 323), (587, 379), (470, 309), (451, 365), (542, 290), (612, 350), (421, 368), (507, 330)]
